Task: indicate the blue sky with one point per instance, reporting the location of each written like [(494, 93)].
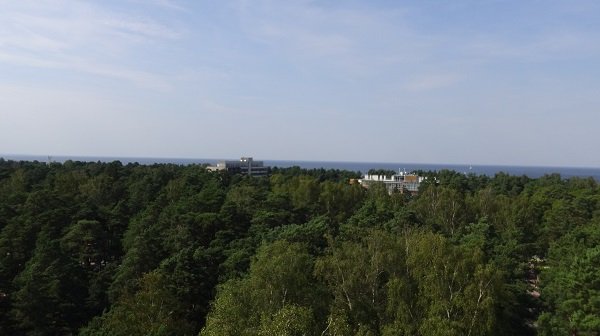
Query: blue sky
[(473, 82)]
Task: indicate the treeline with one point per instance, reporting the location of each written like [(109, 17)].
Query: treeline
[(112, 249)]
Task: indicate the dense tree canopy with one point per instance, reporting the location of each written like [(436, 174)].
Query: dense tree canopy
[(112, 249)]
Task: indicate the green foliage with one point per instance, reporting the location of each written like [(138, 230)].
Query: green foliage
[(152, 310), (109, 249), (290, 320), (383, 172), (356, 275), (441, 208), (279, 284), (571, 284), (312, 234), (51, 292)]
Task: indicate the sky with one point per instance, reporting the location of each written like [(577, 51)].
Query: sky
[(457, 82)]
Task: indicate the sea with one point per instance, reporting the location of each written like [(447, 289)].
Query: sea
[(362, 167)]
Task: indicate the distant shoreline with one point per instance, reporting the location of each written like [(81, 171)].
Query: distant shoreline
[(363, 167)]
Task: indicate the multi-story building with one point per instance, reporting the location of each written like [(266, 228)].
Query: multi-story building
[(399, 182), (246, 166)]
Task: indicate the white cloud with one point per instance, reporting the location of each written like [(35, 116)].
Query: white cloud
[(143, 27), (352, 40), (81, 37)]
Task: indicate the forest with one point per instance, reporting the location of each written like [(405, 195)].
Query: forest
[(92, 248)]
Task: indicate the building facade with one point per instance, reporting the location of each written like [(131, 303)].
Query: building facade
[(400, 182), (245, 166)]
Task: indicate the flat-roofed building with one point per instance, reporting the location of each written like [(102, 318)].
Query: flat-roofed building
[(245, 165), (399, 182)]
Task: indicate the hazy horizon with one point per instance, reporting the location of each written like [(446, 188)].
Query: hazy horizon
[(466, 82), (42, 157)]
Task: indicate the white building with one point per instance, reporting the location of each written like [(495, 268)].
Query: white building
[(400, 182)]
